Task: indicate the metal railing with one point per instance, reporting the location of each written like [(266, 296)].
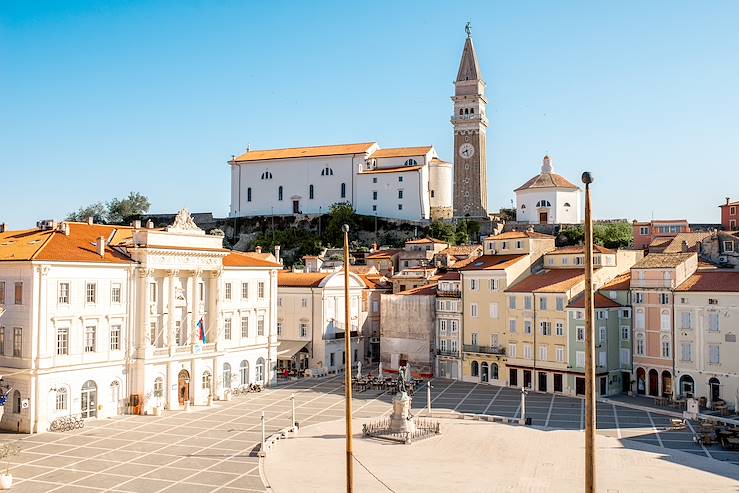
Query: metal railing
[(447, 352), (449, 293), (473, 348)]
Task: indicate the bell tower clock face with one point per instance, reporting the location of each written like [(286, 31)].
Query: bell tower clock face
[(466, 150)]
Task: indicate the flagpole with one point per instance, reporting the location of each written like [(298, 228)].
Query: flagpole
[(348, 366), (590, 425)]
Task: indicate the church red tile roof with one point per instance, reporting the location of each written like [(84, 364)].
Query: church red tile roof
[(401, 152), (299, 152), (547, 180)]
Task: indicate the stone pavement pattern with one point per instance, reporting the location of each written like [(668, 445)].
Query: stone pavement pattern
[(214, 449), (475, 456)]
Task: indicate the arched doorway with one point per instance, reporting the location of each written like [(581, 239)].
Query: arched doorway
[(226, 376), (474, 369), (653, 382), (244, 372), (666, 383), (89, 400), (260, 371), (494, 371), (183, 386), (687, 386), (115, 396), (641, 381), (714, 386), (484, 372)]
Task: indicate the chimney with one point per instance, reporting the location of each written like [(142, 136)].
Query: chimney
[(727, 200), (258, 249), (64, 228), (149, 224), (89, 220), (100, 246), (136, 224), (2, 227), (374, 247), (684, 246), (277, 253)]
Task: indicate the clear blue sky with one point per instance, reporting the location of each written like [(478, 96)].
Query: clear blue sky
[(100, 98)]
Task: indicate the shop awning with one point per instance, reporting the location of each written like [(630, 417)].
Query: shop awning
[(288, 349)]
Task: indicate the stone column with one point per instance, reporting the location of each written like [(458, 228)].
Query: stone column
[(196, 312), (142, 313), (169, 291), (213, 326)]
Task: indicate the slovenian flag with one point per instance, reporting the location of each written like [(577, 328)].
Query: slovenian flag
[(201, 331)]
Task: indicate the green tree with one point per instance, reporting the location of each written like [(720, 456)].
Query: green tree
[(613, 235), (125, 210), (97, 211), (442, 231), (461, 235), (573, 235), (340, 214)]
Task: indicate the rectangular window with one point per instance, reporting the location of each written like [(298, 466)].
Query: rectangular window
[(624, 333), (543, 352), (374, 179), (686, 351), (400, 178), (728, 246), (493, 310), (115, 293), (714, 355), (664, 299), (374, 207), (580, 359), (474, 285), (260, 325), (304, 302), (473, 310), (542, 303), (527, 302), (303, 330), (279, 329), (511, 350), (625, 356), (453, 326), (512, 326), (638, 297), (244, 290), (400, 207), (527, 326), (664, 321), (475, 337), (560, 329), (713, 322), (91, 292), (63, 293), (560, 353), (153, 336), (152, 292), (248, 194), (640, 346), (17, 342), (400, 194), (227, 329), (666, 349), (643, 230), (90, 339), (686, 318), (560, 304), (201, 291), (227, 291), (19, 293), (527, 351), (244, 327), (512, 302), (625, 313), (375, 306), (2, 341), (260, 290), (61, 400), (602, 335), (546, 328), (115, 337), (62, 341), (504, 245), (442, 326), (580, 334), (493, 284), (602, 359), (374, 194), (178, 339)]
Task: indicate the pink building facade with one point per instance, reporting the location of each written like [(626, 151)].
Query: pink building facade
[(645, 232)]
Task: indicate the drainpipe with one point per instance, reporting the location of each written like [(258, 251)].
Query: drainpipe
[(533, 329)]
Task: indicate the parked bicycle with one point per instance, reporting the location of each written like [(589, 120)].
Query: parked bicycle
[(67, 423)]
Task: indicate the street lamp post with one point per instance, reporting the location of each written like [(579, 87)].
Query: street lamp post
[(292, 399), (348, 366), (264, 452), (428, 396), (587, 179), (523, 404)]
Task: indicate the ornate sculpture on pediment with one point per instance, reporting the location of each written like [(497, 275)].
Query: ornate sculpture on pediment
[(183, 222)]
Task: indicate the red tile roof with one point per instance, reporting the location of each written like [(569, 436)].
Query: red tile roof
[(450, 276), (547, 180), (244, 259), (575, 249), (619, 283), (383, 254), (600, 301), (401, 152), (662, 260), (298, 152), (427, 290), (549, 281), (492, 262), (289, 279), (428, 239), (512, 235), (711, 281)]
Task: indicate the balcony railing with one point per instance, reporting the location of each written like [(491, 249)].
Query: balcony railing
[(652, 283), (339, 335), (446, 352), (473, 348), (449, 293)]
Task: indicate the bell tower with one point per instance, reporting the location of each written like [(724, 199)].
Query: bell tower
[(470, 136)]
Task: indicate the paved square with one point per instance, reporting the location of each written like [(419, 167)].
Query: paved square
[(214, 449)]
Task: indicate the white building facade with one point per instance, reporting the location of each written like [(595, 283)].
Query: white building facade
[(548, 198), (104, 320), (405, 183)]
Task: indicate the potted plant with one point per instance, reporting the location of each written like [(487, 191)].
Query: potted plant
[(210, 399), (157, 410), (7, 450)]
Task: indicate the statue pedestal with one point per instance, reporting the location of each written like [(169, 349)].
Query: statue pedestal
[(401, 420)]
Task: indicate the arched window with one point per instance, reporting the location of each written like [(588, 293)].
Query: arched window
[(279, 193), (567, 204), (207, 377), (244, 372), (411, 162), (494, 371), (158, 387), (475, 369), (523, 206), (640, 344), (16, 402), (62, 399), (343, 190), (327, 171), (664, 321), (432, 194), (484, 371), (310, 191), (226, 376), (461, 111), (260, 370), (266, 175), (472, 111), (543, 203), (666, 347), (466, 111)]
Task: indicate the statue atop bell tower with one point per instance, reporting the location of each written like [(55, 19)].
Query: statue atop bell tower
[(470, 136)]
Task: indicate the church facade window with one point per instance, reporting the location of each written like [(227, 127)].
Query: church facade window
[(543, 203), (266, 175), (248, 194), (567, 204), (410, 162), (279, 193), (310, 191), (327, 171), (343, 190)]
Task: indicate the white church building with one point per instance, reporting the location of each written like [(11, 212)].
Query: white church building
[(409, 183), (100, 320), (548, 198)]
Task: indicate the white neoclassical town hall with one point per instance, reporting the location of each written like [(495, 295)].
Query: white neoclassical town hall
[(96, 314)]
